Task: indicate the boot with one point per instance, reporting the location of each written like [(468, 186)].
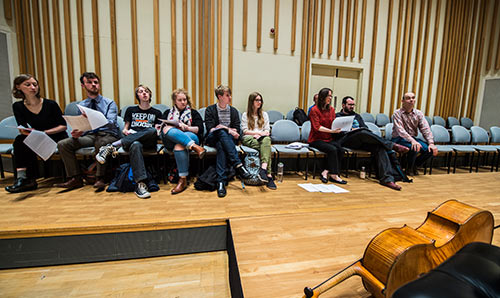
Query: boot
[(180, 187), (199, 150), (242, 172), (22, 185), (221, 189)]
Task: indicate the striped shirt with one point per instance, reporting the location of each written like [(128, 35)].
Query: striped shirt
[(224, 115), (406, 125)]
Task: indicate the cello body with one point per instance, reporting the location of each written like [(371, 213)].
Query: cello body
[(397, 256)]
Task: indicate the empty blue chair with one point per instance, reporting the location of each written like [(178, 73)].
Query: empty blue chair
[(274, 116), (8, 133), (289, 115), (495, 141), (466, 122), (452, 121), (442, 140), (374, 128), (438, 120), (429, 120), (381, 120), (480, 139), (388, 131), (460, 143), (286, 132), (367, 117)]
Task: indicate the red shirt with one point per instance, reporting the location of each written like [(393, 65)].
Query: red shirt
[(320, 118)]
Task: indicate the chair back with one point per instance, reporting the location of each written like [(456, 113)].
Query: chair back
[(285, 131), (72, 109), (202, 113), (495, 134), (122, 113), (374, 128), (466, 122), (429, 120), (388, 131), (289, 115), (161, 107), (479, 135), (121, 125), (452, 121), (367, 117), (441, 134), (381, 120), (8, 133), (460, 135), (274, 116), (438, 120), (305, 130)]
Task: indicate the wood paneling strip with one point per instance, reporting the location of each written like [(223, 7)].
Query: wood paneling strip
[(69, 50), (451, 57), (404, 53), (322, 27), (433, 58), (20, 36), (315, 26), (362, 33), (114, 51), (95, 31), (442, 64), (478, 62), (38, 47), (416, 65), (472, 14), (201, 52), (219, 42), (294, 25), (206, 50), (48, 49), (374, 52), (463, 49), (330, 30), (81, 39), (156, 29), (424, 54), (386, 58), (355, 28), (347, 29), (394, 98), (173, 40), (184, 45), (410, 46), (230, 46), (28, 45), (489, 56), (58, 54), (459, 69), (212, 47), (7, 9), (193, 54), (259, 22), (135, 52), (276, 23), (339, 34), (303, 49), (245, 22), (497, 64), (308, 57)]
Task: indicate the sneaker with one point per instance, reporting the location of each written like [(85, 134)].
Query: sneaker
[(263, 175), (270, 184), (142, 191), (104, 151)]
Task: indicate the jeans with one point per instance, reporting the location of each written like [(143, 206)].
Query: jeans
[(225, 145), (134, 144), (415, 161), (184, 138), (263, 145)]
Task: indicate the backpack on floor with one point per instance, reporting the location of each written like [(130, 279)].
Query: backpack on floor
[(396, 170), (252, 164), (299, 116)]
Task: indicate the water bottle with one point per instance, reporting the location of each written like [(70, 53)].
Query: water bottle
[(362, 174), (281, 167)]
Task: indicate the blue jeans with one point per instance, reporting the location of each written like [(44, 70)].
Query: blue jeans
[(225, 145), (415, 161), (184, 138), (134, 144)]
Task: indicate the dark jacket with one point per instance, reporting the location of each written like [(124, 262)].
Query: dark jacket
[(196, 121), (212, 118)]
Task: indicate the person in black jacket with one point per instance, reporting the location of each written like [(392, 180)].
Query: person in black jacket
[(184, 130), (41, 114), (223, 126)]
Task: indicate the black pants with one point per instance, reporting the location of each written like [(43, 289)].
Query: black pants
[(378, 147), (334, 154)]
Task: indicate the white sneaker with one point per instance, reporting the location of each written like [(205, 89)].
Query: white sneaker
[(141, 191), (104, 151)]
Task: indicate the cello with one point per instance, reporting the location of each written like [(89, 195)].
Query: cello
[(397, 256)]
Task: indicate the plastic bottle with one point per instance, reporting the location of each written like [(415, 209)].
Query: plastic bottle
[(281, 168), (362, 174)]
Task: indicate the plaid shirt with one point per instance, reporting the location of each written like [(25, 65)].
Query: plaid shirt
[(406, 125)]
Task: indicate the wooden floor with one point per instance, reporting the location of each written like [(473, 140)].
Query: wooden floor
[(284, 239)]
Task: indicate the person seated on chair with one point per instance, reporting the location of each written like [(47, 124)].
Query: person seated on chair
[(321, 137), (98, 137), (407, 122), (139, 134), (223, 126), (41, 114), (366, 140), (256, 131), (184, 136)]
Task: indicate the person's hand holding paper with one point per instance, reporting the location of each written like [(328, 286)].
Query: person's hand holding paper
[(89, 120)]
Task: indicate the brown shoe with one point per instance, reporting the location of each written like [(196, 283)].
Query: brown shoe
[(392, 185), (73, 183), (400, 148), (180, 187), (99, 185), (199, 150)]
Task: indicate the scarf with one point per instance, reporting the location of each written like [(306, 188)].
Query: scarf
[(184, 117)]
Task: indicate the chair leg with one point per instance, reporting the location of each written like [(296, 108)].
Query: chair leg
[(307, 164), (1, 168), (455, 163), (430, 166)]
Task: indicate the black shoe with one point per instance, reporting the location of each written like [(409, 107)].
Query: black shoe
[(337, 181), (270, 184), (21, 185), (243, 173), (323, 179), (263, 176), (221, 189)]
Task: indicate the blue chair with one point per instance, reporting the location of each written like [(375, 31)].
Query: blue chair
[(305, 130), (122, 112), (367, 117), (438, 120), (8, 133), (202, 113), (72, 109), (460, 143), (274, 116), (442, 140), (161, 107), (285, 132), (289, 115), (381, 120), (480, 139), (429, 120), (452, 121), (495, 141), (388, 131), (466, 122), (374, 128)]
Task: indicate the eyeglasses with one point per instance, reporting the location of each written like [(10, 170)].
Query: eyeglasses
[(258, 100)]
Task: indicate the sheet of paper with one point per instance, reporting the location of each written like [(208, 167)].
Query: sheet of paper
[(324, 188), (78, 122), (96, 118), (309, 187), (344, 123), (20, 127), (41, 144)]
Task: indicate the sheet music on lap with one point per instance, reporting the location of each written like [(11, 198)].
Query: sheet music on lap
[(344, 123), (41, 144)]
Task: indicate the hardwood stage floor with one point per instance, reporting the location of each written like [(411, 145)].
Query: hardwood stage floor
[(284, 239)]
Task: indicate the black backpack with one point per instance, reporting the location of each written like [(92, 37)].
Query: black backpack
[(299, 116)]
